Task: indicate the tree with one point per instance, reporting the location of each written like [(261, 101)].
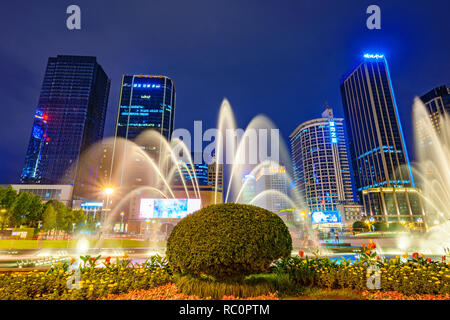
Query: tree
[(77, 217), (7, 197), (49, 218), (20, 209), (36, 208), (61, 212)]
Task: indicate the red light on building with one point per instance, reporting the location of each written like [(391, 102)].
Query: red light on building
[(45, 117), (48, 139)]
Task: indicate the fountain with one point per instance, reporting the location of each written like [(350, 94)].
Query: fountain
[(148, 165), (433, 172)]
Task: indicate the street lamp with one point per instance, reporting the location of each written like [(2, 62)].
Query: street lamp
[(121, 223), (147, 221)]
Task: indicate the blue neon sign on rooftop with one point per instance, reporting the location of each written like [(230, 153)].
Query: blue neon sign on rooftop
[(373, 56)]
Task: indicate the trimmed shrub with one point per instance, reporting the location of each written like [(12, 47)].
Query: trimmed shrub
[(396, 226), (359, 226), (380, 226), (228, 241)]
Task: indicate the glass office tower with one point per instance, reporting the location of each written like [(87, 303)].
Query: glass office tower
[(321, 165), (437, 103), (146, 102), (70, 117), (379, 157)]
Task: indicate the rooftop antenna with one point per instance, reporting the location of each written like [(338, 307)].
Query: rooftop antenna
[(328, 113)]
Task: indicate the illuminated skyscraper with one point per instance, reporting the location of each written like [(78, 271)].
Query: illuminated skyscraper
[(321, 165), (379, 157), (249, 191), (272, 179), (146, 102), (70, 117), (437, 102)]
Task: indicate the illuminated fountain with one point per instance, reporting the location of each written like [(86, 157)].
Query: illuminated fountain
[(433, 172), (148, 165)]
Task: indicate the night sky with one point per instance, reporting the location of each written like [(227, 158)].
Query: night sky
[(280, 58)]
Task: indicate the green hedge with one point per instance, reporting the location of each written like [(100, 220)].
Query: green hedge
[(228, 241)]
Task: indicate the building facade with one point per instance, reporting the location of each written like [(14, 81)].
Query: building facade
[(321, 165), (437, 103), (146, 102), (383, 176), (69, 118), (63, 193), (273, 181), (249, 188)]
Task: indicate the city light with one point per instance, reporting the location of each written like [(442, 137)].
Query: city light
[(108, 191), (373, 56)]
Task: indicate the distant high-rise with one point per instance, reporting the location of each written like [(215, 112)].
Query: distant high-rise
[(146, 102), (249, 188), (321, 165), (437, 102), (274, 180), (70, 117), (105, 164), (379, 157)]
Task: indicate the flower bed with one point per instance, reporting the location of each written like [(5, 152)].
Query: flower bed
[(393, 295), (415, 274), (94, 282), (413, 277)]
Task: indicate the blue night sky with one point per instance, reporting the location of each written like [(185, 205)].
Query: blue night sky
[(280, 58)]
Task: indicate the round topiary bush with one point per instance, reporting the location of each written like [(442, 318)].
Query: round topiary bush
[(228, 241)]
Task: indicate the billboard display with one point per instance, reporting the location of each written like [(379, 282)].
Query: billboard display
[(325, 217), (168, 208)]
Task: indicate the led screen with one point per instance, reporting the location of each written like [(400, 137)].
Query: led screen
[(168, 208), (325, 217)]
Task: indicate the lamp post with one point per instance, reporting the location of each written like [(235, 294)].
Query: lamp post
[(121, 223), (147, 221)]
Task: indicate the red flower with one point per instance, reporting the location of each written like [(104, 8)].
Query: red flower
[(301, 253), (443, 258), (378, 258), (371, 245), (93, 259), (428, 260), (108, 260), (415, 255)]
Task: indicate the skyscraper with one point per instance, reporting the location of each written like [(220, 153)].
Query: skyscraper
[(272, 179), (321, 165), (69, 117), (379, 157), (249, 191), (146, 102), (437, 102)]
